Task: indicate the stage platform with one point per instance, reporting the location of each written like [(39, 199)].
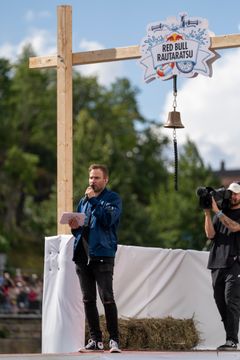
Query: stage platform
[(131, 355)]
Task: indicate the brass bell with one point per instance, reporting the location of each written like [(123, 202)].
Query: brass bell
[(174, 120)]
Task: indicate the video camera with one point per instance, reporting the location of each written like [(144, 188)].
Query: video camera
[(222, 197)]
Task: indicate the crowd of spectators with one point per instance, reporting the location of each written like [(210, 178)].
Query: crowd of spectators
[(20, 293)]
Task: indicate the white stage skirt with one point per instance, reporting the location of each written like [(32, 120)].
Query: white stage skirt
[(148, 283)]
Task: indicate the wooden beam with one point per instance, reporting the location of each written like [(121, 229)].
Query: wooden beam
[(64, 115), (88, 57), (225, 41), (98, 56), (124, 53), (43, 62)]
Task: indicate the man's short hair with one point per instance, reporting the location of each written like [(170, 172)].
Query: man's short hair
[(101, 167)]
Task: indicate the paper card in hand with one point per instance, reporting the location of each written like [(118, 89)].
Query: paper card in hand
[(67, 216)]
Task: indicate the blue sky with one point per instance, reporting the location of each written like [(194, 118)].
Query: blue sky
[(208, 106)]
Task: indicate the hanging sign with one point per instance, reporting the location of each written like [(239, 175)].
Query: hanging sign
[(177, 47)]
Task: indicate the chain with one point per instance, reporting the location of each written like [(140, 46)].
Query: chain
[(174, 101)]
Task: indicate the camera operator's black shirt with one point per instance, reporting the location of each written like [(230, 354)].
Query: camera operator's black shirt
[(225, 246)]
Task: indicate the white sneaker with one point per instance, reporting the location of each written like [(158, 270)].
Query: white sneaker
[(114, 347), (229, 345), (92, 345)]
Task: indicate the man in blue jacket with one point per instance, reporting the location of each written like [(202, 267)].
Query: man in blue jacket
[(94, 252)]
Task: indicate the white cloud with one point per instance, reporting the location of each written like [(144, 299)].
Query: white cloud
[(29, 16), (90, 45), (106, 72), (7, 51), (209, 110), (42, 41), (33, 15)]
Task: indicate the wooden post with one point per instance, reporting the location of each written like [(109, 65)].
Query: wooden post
[(64, 115)]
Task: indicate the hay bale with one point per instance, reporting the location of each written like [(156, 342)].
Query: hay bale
[(154, 334)]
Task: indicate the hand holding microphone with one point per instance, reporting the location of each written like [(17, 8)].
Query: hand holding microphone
[(89, 193)]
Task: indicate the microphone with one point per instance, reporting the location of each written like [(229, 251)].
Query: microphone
[(85, 199)]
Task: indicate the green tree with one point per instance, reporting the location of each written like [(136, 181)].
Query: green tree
[(176, 214), (5, 106), (27, 160), (108, 128)]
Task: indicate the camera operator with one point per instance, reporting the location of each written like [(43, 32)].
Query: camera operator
[(224, 261)]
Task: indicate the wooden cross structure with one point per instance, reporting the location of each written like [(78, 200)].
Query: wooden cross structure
[(63, 62)]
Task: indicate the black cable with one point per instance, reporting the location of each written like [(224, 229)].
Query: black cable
[(175, 162), (174, 84)]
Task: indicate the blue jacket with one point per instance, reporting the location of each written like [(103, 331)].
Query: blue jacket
[(104, 211)]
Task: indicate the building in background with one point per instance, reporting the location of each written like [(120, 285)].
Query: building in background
[(227, 176)]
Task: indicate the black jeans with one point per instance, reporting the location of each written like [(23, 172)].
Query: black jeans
[(226, 286), (100, 274)]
